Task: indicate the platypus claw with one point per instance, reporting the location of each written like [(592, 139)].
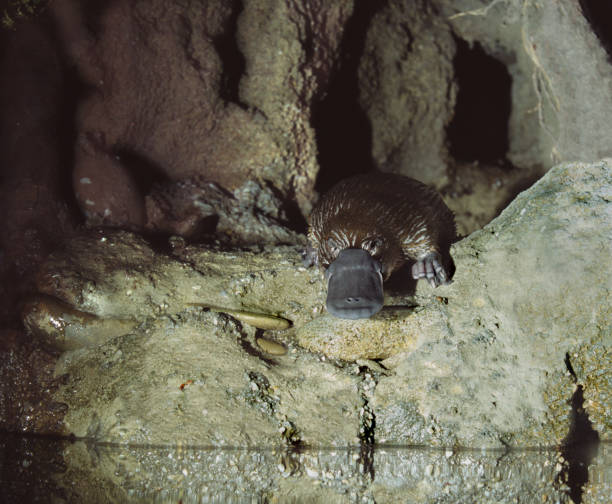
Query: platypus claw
[(430, 267)]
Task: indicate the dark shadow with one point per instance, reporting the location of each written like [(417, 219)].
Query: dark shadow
[(231, 58), (401, 282), (580, 445), (67, 134), (295, 219), (517, 188), (249, 348), (74, 90), (162, 242), (479, 129), (145, 172), (93, 12), (599, 15), (35, 463), (343, 132)]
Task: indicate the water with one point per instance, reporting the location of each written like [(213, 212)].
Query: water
[(36, 469)]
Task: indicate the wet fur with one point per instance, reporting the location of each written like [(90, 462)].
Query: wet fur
[(395, 218)]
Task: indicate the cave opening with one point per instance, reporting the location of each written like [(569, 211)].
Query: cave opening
[(479, 129)]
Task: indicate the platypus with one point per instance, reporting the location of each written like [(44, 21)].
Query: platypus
[(368, 226)]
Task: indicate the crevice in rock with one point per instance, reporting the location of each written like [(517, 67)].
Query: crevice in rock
[(599, 16), (570, 369), (73, 91), (232, 59), (261, 396), (580, 445), (479, 129), (343, 132), (366, 460), (367, 423)]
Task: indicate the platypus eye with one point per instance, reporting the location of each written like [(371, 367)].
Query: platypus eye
[(372, 245), (333, 247)]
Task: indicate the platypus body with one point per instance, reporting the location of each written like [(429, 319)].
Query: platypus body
[(367, 227)]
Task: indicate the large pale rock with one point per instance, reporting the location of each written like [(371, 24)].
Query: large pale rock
[(531, 290), (560, 92)]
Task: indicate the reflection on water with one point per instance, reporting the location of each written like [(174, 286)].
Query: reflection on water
[(43, 470)]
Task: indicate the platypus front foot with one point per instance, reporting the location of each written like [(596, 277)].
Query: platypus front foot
[(431, 268)]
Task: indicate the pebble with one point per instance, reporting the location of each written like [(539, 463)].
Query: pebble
[(271, 347), (260, 320)]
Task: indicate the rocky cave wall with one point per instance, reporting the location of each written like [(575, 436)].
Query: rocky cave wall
[(559, 92), (145, 105), (142, 106)]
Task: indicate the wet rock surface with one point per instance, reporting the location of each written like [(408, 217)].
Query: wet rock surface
[(28, 382), (119, 275), (484, 362), (209, 386)]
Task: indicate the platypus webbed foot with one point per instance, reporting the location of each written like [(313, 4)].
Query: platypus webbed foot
[(431, 268)]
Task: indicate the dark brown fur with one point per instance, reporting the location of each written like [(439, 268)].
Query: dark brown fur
[(393, 217)]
